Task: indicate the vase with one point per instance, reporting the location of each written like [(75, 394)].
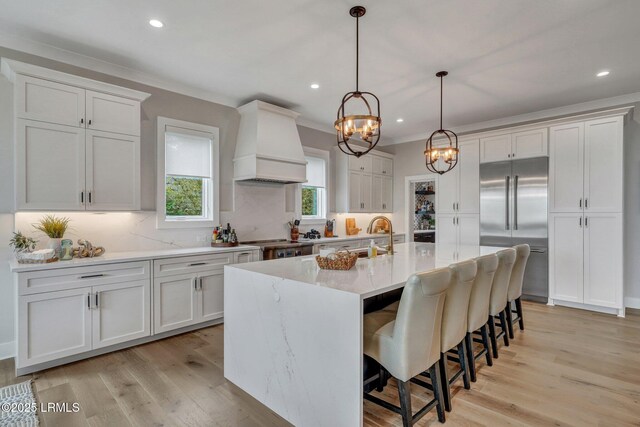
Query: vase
[(56, 245), (295, 234)]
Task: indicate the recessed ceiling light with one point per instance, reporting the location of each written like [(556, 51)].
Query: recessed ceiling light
[(315, 86), (156, 23), (603, 73), (400, 120)]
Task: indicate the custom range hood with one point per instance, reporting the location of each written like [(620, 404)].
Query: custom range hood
[(268, 147)]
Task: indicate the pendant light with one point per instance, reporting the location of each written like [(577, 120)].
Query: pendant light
[(361, 120), (443, 158)]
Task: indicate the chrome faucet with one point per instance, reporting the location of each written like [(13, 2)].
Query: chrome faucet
[(370, 231)]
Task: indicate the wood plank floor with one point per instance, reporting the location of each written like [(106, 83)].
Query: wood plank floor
[(568, 368)]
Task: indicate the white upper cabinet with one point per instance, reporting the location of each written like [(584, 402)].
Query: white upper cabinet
[(364, 184), (110, 113), (50, 162), (459, 189), (113, 172), (566, 166), (77, 141), (519, 145), (603, 165), (46, 101)]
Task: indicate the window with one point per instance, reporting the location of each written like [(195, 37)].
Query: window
[(188, 177), (314, 191)]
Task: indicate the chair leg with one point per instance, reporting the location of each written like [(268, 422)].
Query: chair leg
[(503, 326), (519, 310), (487, 345), (436, 380), (444, 376), (405, 403), (509, 318), (492, 335), (471, 360), (382, 379), (462, 356)]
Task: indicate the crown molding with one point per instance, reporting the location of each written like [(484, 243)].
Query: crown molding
[(304, 122), (532, 118)]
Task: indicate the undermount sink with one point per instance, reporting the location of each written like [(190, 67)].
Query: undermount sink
[(364, 253)]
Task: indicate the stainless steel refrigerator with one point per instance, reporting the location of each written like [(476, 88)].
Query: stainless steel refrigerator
[(513, 210)]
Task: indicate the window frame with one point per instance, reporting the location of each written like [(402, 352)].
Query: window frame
[(212, 189), (321, 219)]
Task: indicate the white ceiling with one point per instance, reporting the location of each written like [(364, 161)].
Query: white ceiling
[(505, 57)]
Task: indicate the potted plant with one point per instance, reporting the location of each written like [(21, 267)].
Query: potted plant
[(55, 228), (22, 245)]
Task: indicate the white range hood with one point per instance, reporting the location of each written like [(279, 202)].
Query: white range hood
[(268, 147)]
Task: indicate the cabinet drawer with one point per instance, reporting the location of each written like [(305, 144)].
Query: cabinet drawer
[(76, 277), (190, 264), (398, 239)]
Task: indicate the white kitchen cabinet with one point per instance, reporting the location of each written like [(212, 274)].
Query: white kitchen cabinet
[(121, 312), (364, 185), (566, 168), (447, 229), (458, 191), (110, 113), (50, 163), (566, 242), (603, 165), (495, 148), (458, 229), (248, 256), (603, 243), (47, 101), (112, 171), (175, 301), (53, 325), (211, 295), (517, 145)]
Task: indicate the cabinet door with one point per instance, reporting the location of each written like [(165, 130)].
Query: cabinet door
[(566, 257), (376, 164), (446, 229), (243, 257), (495, 148), (387, 194), (50, 102), (174, 302), (469, 178), (447, 191), (211, 295), (53, 325), (362, 164), (366, 192), (528, 144), (468, 229), (387, 166), (122, 312), (604, 165), (50, 166), (355, 189), (110, 113), (113, 171), (376, 193), (603, 271), (566, 165)]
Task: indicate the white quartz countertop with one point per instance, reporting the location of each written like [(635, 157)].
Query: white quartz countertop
[(363, 236), (113, 257), (370, 276), (424, 231)]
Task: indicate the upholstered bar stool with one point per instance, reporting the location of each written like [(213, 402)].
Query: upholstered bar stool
[(514, 294), (454, 326), (479, 312), (498, 300), (407, 342)]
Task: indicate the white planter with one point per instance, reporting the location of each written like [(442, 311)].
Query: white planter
[(56, 245)]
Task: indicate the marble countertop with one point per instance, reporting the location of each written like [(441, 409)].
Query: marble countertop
[(113, 257), (370, 276), (423, 231), (363, 236)]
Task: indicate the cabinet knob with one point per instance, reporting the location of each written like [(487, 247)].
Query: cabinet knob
[(89, 121), (82, 121)]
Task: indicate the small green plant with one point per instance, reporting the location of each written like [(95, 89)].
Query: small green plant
[(21, 243), (53, 226)]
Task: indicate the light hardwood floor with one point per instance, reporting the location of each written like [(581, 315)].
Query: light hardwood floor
[(569, 367)]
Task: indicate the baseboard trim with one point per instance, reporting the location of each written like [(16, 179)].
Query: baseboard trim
[(630, 302), (7, 350)]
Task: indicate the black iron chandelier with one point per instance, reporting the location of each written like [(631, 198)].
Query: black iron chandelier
[(443, 157), (366, 125)]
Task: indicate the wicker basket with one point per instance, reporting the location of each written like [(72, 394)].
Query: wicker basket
[(23, 258), (343, 260)]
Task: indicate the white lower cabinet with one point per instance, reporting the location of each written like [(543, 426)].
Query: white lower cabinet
[(174, 302), (211, 297), (458, 229), (585, 264)]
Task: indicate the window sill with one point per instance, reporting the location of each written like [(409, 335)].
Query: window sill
[(313, 221), (182, 224)]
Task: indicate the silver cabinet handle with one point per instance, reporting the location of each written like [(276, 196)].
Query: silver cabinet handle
[(89, 301), (457, 206), (82, 121), (515, 202), (580, 222), (580, 203), (507, 179), (193, 264), (200, 280), (90, 201), (586, 221), (97, 300), (91, 276), (586, 203), (195, 283), (454, 220), (82, 196), (453, 206)]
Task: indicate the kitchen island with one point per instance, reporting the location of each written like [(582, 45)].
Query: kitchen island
[(293, 332)]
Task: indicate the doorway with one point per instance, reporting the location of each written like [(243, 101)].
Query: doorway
[(420, 207)]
